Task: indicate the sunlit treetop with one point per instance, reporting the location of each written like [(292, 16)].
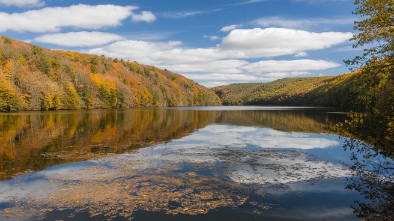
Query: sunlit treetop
[(376, 31)]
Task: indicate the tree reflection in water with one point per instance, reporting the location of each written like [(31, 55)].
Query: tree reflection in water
[(372, 165), (46, 142)]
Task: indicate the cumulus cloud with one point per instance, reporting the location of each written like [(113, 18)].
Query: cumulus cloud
[(309, 23), (52, 19), (238, 44), (23, 3), (230, 71), (143, 16), (230, 66), (277, 75), (79, 39), (272, 42), (230, 28), (215, 84), (153, 53), (230, 60), (222, 77), (289, 66)]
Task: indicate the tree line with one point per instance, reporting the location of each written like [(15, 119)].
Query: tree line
[(35, 78), (328, 91)]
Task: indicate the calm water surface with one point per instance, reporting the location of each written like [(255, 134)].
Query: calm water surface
[(210, 163)]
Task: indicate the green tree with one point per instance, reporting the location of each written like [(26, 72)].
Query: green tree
[(373, 119), (7, 41), (376, 64), (94, 65), (376, 30)]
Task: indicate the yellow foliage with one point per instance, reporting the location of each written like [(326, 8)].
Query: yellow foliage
[(43, 79), (8, 68)]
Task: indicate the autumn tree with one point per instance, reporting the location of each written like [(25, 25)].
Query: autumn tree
[(376, 31), (8, 98), (373, 118), (376, 36), (35, 78), (374, 91)]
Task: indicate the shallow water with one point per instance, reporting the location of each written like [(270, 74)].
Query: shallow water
[(210, 163)]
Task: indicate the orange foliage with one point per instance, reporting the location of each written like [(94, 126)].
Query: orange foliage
[(43, 79)]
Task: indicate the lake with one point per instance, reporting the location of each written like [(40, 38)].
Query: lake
[(191, 163)]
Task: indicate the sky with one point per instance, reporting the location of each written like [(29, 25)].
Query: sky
[(213, 42)]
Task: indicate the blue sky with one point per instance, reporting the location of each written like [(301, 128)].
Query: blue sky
[(213, 42)]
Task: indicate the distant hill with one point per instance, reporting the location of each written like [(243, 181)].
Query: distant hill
[(329, 91), (35, 78)]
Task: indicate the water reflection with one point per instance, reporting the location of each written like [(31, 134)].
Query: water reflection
[(262, 137), (374, 179), (216, 165), (372, 165), (34, 141)]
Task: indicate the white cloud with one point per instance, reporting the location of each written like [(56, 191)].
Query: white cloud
[(79, 39), (152, 53), (211, 37), (232, 71), (162, 54), (301, 54), (149, 35), (229, 61), (249, 2), (289, 66), (224, 66), (52, 19), (23, 3), (183, 14), (277, 75), (215, 84), (272, 42), (239, 44), (230, 28), (222, 77), (309, 23), (144, 16)]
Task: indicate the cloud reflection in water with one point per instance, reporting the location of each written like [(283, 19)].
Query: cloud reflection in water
[(209, 169)]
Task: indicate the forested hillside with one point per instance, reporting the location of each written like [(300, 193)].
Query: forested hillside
[(34, 78), (312, 91)]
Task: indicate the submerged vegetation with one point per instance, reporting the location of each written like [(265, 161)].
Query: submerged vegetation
[(34, 78)]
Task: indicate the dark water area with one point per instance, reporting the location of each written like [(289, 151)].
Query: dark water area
[(206, 163)]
